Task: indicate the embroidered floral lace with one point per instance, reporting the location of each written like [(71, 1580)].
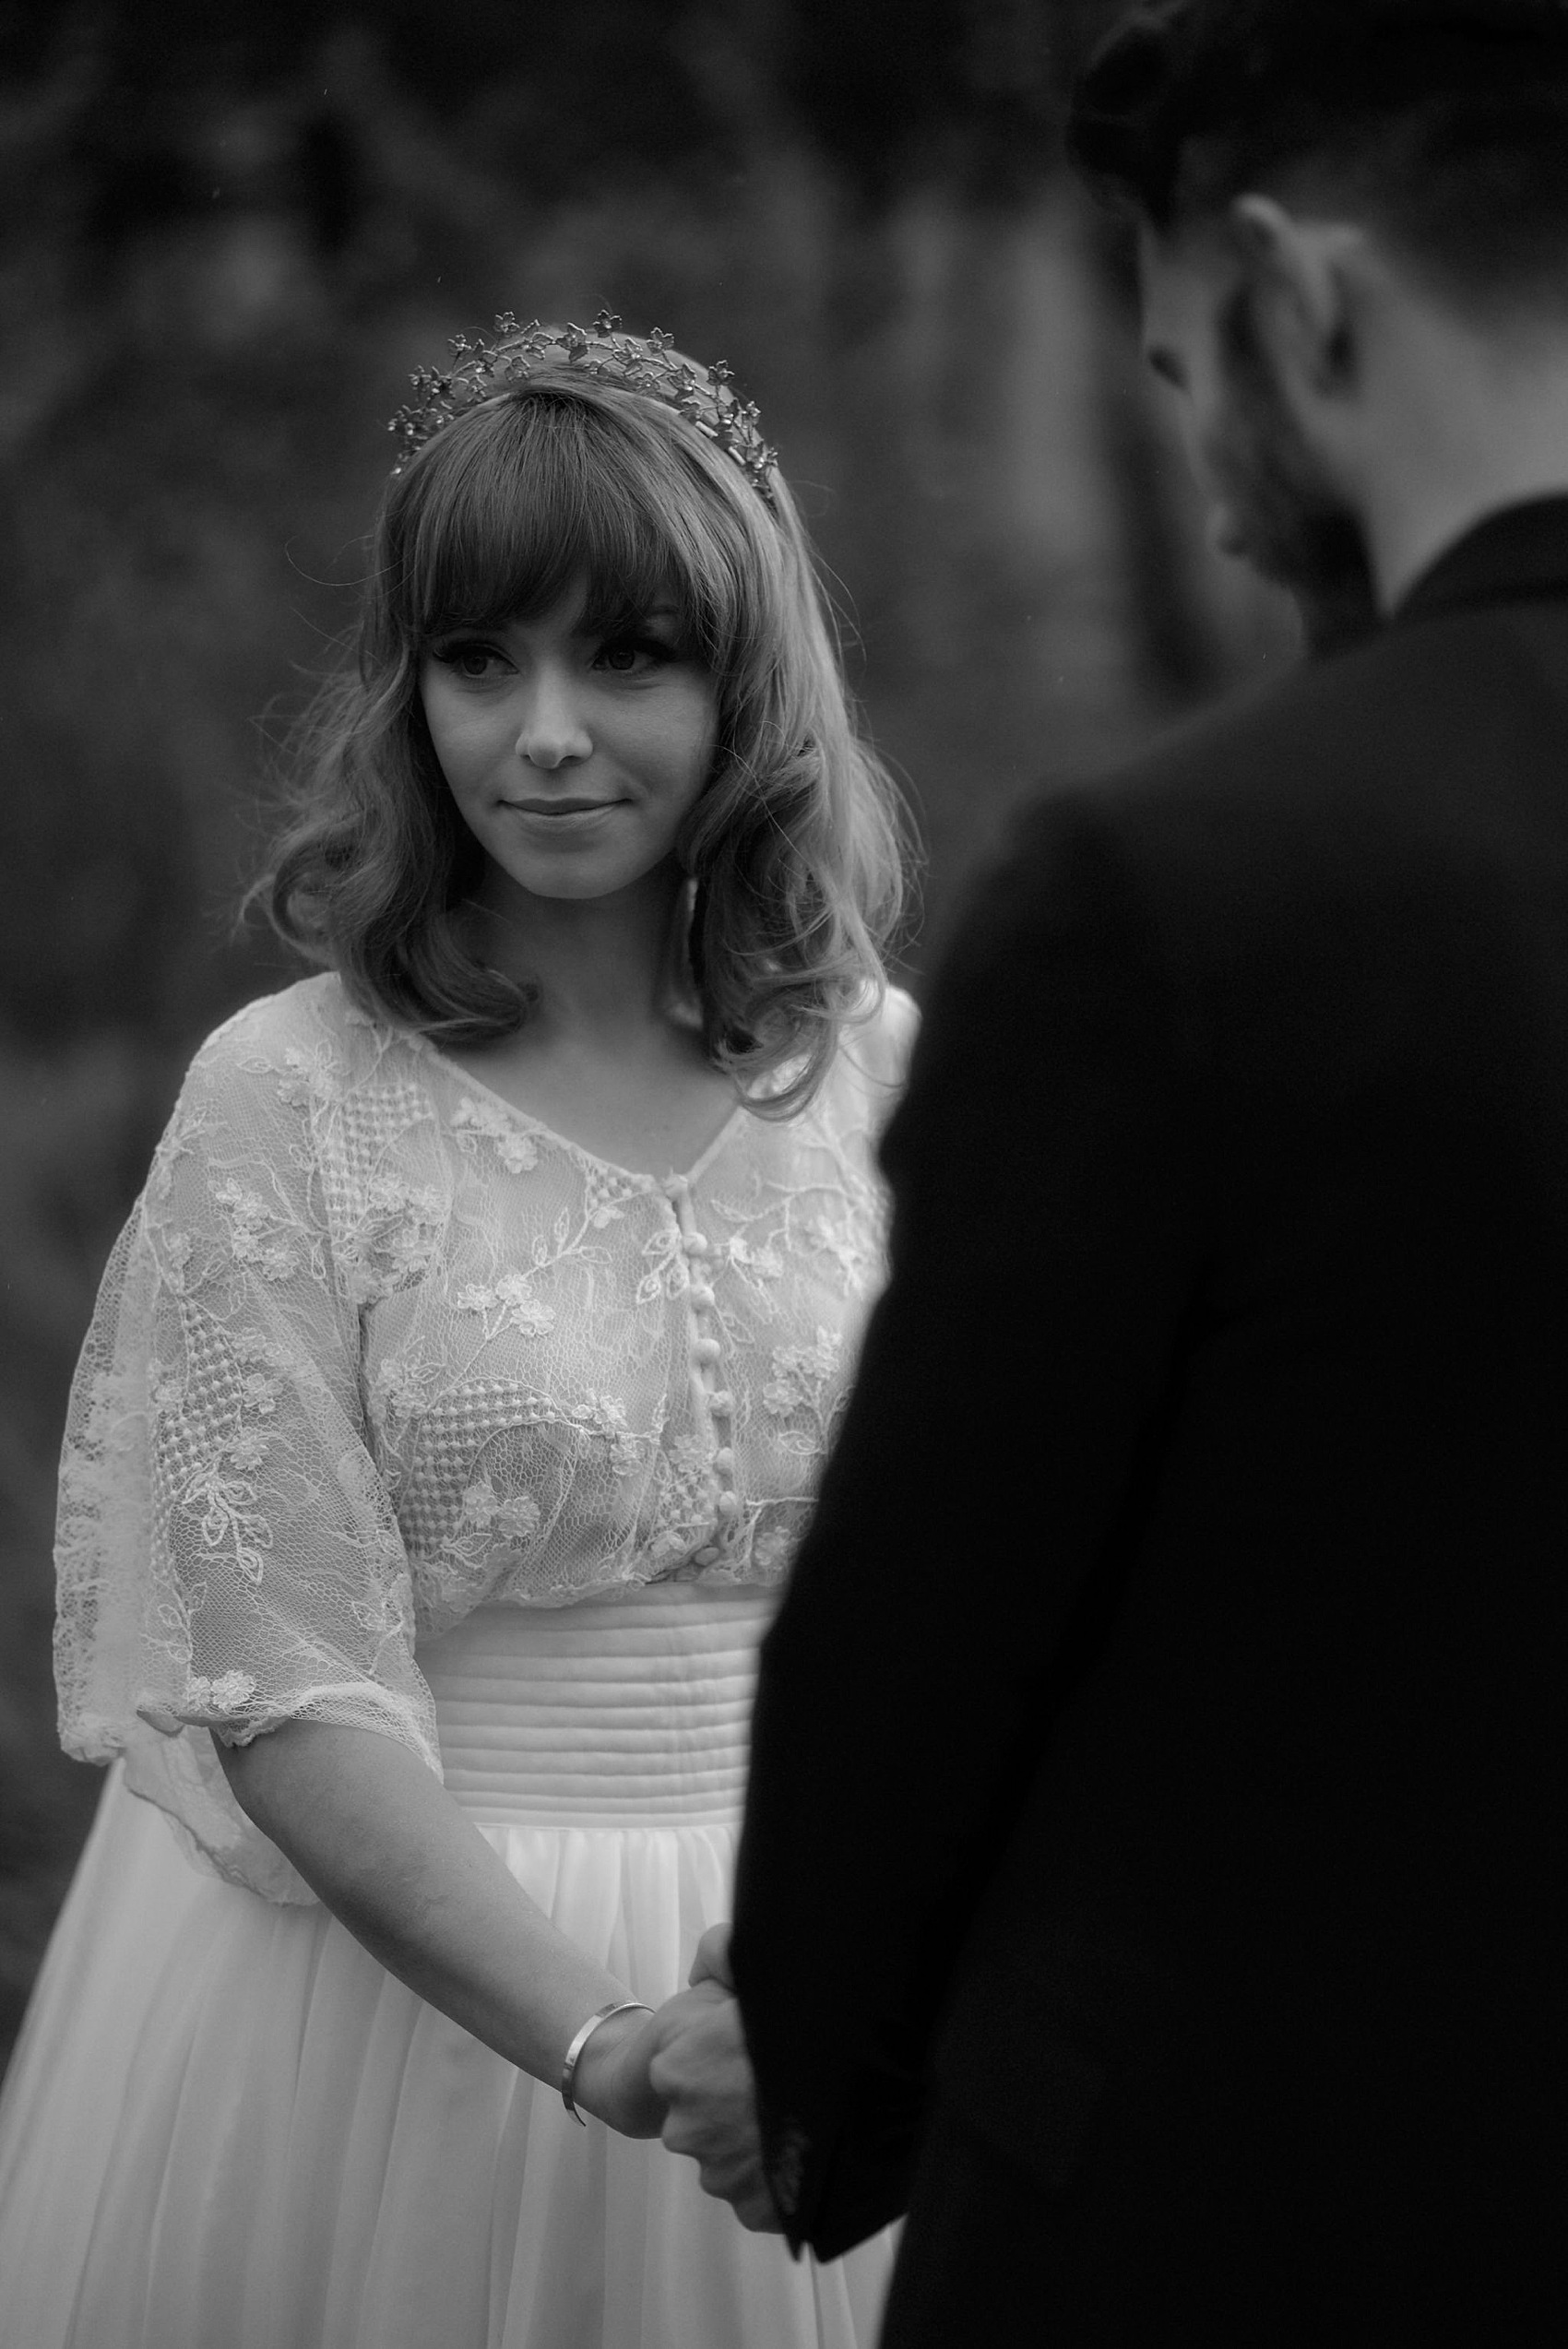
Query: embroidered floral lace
[(375, 1347)]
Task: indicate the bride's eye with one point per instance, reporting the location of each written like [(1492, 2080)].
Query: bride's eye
[(633, 656), (469, 659)]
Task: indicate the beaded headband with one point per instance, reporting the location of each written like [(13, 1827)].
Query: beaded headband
[(630, 363)]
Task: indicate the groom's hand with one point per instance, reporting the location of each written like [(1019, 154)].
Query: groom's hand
[(711, 1962), (701, 2068)]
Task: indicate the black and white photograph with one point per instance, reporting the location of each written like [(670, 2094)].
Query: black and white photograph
[(783, 1174)]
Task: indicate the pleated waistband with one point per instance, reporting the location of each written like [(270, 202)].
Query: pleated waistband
[(631, 1708)]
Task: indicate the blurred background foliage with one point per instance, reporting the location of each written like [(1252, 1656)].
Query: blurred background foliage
[(227, 234)]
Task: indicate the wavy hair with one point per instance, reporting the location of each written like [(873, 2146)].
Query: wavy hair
[(798, 843)]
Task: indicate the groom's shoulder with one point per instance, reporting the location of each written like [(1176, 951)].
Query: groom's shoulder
[(1367, 751), (1349, 720)]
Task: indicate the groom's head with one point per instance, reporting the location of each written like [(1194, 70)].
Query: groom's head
[(1344, 205)]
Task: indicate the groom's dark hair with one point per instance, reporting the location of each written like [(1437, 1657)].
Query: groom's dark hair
[(1446, 121)]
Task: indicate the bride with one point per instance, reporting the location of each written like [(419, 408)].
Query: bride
[(452, 1408)]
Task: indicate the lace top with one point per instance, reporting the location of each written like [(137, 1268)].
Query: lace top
[(375, 1347)]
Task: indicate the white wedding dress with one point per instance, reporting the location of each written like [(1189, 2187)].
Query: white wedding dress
[(400, 1410)]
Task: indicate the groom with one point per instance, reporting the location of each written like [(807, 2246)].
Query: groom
[(1151, 1868)]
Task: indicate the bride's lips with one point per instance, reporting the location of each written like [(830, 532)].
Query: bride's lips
[(563, 815), (560, 807)]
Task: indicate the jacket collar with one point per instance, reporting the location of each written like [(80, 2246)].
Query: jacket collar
[(1520, 551)]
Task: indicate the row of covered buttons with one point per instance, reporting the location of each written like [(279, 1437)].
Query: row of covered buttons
[(717, 1401)]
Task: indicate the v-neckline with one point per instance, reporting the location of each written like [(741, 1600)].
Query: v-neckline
[(526, 1118)]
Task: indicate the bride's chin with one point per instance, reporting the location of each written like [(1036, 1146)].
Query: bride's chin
[(513, 890)]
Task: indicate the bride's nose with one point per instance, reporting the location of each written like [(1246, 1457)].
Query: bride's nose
[(552, 730)]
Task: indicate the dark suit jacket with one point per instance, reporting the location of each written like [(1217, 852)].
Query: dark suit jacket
[(1160, 1753)]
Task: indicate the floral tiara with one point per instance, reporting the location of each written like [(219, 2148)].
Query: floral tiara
[(630, 363)]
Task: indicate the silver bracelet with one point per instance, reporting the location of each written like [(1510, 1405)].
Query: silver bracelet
[(569, 2068)]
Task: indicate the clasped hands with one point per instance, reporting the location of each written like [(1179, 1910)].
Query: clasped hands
[(683, 2075)]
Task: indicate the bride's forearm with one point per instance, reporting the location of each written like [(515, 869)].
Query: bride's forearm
[(386, 1848)]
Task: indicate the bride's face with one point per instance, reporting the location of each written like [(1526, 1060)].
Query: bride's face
[(575, 758)]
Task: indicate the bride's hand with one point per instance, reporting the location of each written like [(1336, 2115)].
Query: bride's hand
[(613, 2076)]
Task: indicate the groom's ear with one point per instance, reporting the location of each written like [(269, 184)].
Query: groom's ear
[(1305, 275)]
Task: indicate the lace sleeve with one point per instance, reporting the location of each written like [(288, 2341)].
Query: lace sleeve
[(228, 1556)]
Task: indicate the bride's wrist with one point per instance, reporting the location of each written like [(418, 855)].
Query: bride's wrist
[(595, 2079)]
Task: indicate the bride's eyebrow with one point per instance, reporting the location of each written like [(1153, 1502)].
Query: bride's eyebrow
[(627, 622)]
